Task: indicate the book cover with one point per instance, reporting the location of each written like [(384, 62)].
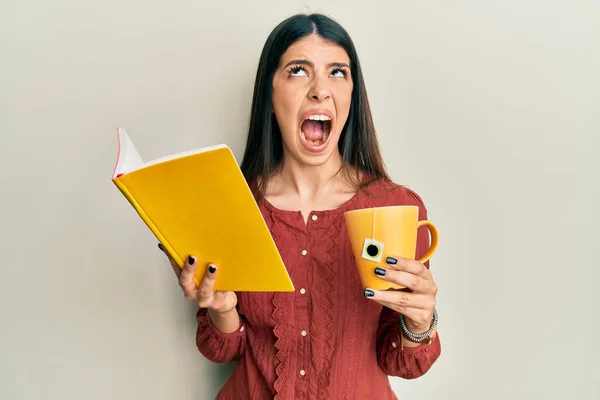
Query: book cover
[(198, 202)]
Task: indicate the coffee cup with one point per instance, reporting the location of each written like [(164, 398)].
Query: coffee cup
[(380, 232)]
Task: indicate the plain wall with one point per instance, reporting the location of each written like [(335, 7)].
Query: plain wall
[(490, 110)]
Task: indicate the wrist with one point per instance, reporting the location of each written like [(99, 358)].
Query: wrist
[(418, 334), (225, 321), (222, 313), (417, 328)]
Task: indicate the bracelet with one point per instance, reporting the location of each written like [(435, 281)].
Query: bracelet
[(419, 337)]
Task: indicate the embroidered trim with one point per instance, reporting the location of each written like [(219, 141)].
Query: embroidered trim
[(322, 353), (282, 303)]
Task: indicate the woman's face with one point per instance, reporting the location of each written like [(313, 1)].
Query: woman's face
[(312, 88)]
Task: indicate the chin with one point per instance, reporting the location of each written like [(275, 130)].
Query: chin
[(314, 161)]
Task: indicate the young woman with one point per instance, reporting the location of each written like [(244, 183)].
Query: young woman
[(311, 155)]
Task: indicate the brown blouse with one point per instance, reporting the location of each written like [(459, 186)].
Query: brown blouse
[(325, 340)]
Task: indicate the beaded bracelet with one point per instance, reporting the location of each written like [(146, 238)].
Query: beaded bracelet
[(419, 337)]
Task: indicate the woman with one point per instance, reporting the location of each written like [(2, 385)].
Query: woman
[(311, 155)]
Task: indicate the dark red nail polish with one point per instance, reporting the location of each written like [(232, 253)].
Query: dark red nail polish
[(212, 269), (191, 260)]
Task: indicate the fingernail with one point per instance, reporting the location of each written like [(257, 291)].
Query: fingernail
[(369, 293), (380, 271), (191, 260), (211, 269), (391, 260), (160, 246)]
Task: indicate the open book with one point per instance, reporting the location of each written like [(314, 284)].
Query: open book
[(198, 202)]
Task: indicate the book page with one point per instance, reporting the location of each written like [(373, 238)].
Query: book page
[(129, 159), (183, 154)]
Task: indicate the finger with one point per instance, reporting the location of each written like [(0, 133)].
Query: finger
[(175, 268), (206, 289), (398, 298), (186, 280), (410, 266), (174, 265), (414, 282)]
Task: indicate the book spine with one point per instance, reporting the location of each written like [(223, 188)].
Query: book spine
[(138, 208)]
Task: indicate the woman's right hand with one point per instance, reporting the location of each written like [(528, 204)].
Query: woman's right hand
[(205, 296)]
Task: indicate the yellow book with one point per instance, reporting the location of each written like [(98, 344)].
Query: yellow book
[(198, 202)]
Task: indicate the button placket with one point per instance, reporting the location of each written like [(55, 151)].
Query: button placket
[(302, 302)]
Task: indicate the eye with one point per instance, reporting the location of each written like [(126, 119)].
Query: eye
[(297, 70), (340, 72)]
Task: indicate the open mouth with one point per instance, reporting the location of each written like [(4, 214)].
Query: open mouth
[(315, 130)]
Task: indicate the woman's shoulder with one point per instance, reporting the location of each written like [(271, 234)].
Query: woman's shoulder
[(384, 192)]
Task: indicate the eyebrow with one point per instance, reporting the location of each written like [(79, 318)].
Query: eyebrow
[(310, 64)]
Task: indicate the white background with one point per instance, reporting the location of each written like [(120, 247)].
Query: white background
[(489, 109)]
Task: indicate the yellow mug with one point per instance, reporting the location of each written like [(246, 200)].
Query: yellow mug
[(381, 232)]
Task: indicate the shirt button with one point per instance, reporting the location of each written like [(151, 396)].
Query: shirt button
[(304, 252), (303, 333), (302, 291), (302, 372), (314, 217)]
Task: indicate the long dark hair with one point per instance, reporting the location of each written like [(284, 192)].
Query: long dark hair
[(358, 143)]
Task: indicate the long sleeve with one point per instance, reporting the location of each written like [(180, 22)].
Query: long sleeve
[(409, 362), (217, 346)]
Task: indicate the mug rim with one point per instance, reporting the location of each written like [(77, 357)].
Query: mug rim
[(379, 208)]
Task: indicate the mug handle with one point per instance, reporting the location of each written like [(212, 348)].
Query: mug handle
[(434, 239)]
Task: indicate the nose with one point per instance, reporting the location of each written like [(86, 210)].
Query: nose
[(319, 91)]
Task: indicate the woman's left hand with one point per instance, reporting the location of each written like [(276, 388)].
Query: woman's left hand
[(418, 304)]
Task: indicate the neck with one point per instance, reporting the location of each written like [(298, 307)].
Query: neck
[(308, 181)]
